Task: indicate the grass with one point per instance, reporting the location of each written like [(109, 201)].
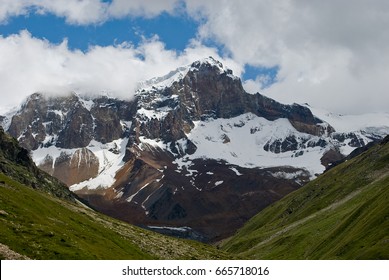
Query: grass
[(40, 226), (343, 214)]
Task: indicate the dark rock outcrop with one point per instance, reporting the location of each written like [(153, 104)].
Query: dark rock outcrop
[(69, 121), (16, 163)]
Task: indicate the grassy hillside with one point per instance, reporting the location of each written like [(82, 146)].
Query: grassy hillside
[(39, 226), (343, 214)]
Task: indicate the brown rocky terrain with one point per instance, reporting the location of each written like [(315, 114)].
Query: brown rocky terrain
[(72, 169)]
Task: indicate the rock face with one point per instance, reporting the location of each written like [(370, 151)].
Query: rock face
[(191, 151), (70, 123), (72, 168)]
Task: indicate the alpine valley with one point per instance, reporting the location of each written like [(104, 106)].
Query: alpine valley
[(192, 154)]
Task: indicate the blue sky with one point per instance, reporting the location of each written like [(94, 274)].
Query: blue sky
[(174, 31), (292, 51)]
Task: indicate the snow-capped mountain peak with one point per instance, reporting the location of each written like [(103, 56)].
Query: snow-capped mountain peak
[(160, 83), (211, 62)]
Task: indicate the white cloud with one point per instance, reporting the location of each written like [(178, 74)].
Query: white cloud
[(149, 8), (84, 12), (9, 8), (74, 11), (29, 65), (332, 54)]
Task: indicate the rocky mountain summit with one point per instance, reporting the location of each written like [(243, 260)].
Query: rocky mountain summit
[(192, 152)]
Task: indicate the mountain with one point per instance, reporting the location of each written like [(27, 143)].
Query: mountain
[(192, 153), (41, 219), (343, 214)]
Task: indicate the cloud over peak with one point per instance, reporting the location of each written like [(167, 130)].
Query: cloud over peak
[(29, 65)]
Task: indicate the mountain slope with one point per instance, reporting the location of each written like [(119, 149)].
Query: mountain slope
[(39, 226), (343, 214), (42, 221)]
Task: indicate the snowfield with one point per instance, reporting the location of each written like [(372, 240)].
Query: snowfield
[(247, 136)]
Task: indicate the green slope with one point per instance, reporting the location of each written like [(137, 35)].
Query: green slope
[(343, 214), (39, 226)]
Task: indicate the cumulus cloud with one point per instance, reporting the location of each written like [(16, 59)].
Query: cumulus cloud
[(150, 8), (29, 65), (74, 11), (9, 8), (84, 12), (332, 54)]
